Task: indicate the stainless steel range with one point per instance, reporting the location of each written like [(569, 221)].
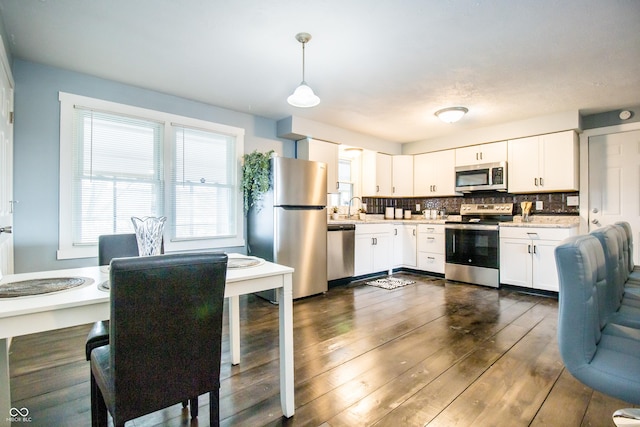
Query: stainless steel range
[(472, 244)]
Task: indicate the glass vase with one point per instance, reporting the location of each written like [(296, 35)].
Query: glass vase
[(149, 234)]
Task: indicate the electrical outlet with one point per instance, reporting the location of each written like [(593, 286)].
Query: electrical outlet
[(539, 205), (573, 201), (417, 207)]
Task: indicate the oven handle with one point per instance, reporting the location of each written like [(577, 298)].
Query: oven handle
[(489, 227)]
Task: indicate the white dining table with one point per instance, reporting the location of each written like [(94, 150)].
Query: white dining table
[(86, 304)]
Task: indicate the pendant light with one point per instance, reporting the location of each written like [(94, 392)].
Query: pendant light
[(303, 96), (451, 114)]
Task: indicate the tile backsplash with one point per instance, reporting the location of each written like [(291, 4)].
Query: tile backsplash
[(553, 203)]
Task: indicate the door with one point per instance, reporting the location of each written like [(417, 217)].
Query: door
[(402, 176), (614, 179), (515, 262), (409, 242), (7, 203), (523, 168), (363, 262), (383, 175), (545, 275)]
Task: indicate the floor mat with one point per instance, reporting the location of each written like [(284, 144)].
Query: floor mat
[(390, 283)]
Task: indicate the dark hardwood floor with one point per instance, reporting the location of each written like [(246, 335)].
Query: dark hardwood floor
[(433, 353)]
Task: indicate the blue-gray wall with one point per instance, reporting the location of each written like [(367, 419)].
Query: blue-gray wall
[(37, 143)]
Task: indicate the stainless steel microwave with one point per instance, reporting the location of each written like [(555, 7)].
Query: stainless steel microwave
[(482, 177)]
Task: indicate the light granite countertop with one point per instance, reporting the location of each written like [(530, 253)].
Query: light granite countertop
[(544, 221), (380, 219), (535, 221)]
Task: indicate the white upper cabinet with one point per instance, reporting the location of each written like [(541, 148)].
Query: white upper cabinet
[(376, 174), (402, 176), (543, 163), (434, 174), (484, 153), (322, 151), (385, 175)]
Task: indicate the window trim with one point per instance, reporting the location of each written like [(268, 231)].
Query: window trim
[(66, 249)]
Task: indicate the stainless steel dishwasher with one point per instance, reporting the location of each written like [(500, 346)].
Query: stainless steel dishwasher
[(340, 251)]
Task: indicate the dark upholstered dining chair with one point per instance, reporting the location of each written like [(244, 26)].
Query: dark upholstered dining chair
[(165, 336), (109, 246)]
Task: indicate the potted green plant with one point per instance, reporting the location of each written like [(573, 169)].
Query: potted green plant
[(255, 178), (334, 212), (362, 214)]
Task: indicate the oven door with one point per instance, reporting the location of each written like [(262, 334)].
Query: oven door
[(472, 254), (474, 245)]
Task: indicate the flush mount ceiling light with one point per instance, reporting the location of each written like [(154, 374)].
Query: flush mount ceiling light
[(303, 96), (451, 114)]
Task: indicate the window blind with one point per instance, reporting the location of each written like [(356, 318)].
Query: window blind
[(117, 173), (204, 184)]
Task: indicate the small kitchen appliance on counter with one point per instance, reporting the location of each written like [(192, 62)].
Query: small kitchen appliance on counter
[(472, 244)]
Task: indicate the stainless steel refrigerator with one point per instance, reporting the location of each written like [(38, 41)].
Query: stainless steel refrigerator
[(290, 225)]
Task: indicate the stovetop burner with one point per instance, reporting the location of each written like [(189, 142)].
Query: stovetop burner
[(471, 213)]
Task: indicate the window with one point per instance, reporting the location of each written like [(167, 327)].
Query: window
[(345, 182), (118, 161)]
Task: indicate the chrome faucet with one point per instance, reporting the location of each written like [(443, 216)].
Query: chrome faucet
[(349, 211)]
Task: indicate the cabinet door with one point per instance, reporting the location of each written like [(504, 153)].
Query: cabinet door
[(368, 179), (382, 252), (545, 275), (409, 242), (515, 262), (523, 171), (444, 173), (402, 176), (423, 174), (322, 151), (398, 244), (363, 258), (484, 153), (434, 174), (559, 161), (383, 175)]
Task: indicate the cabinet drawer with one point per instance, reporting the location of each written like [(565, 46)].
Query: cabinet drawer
[(433, 243), (431, 228), (537, 233), (431, 262), (373, 228)]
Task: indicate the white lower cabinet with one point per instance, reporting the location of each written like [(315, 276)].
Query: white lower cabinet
[(405, 237), (373, 248), (431, 247), (527, 257)]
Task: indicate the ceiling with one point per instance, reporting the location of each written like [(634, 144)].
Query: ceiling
[(381, 68)]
